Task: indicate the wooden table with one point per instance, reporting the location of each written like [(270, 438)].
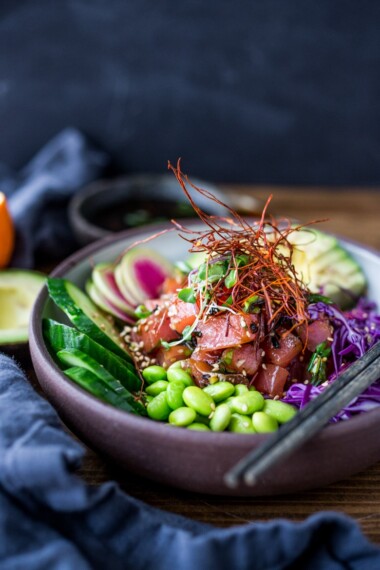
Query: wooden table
[(354, 214)]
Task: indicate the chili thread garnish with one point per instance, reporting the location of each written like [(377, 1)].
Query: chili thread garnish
[(267, 271)]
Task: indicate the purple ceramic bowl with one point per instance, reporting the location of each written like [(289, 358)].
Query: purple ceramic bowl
[(187, 459)]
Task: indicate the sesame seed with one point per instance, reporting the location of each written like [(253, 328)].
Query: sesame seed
[(264, 366), (276, 397)]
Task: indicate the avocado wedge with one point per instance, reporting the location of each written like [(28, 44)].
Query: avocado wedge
[(18, 291)]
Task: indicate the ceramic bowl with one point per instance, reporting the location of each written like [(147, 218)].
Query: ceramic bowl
[(87, 208), (182, 458)]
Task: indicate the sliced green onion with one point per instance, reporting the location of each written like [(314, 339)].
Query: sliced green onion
[(142, 312)]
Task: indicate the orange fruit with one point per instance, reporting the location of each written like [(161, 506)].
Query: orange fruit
[(7, 234)]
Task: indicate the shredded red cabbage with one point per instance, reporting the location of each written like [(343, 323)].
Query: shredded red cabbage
[(355, 332)]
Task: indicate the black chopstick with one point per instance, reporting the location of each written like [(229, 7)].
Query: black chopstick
[(308, 421)]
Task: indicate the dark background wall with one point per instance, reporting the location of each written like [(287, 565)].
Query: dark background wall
[(273, 91)]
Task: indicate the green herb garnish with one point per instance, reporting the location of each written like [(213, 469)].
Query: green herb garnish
[(318, 364), (187, 294)]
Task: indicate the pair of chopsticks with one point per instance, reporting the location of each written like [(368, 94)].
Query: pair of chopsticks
[(308, 421)]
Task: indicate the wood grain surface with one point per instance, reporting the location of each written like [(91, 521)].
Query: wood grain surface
[(354, 214)]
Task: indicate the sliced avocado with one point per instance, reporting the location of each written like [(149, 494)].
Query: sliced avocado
[(323, 264), (18, 291), (86, 316), (61, 337), (196, 259)]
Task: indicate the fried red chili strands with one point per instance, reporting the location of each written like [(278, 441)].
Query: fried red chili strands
[(259, 254)]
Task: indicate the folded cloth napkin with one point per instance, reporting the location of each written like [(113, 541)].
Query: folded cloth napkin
[(50, 519), (39, 193)]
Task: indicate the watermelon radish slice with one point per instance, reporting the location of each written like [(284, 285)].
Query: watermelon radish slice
[(119, 278), (104, 281), (143, 272), (106, 305)]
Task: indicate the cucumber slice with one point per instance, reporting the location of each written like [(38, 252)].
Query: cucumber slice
[(98, 388), (61, 337), (103, 277), (106, 305), (86, 316), (73, 357)]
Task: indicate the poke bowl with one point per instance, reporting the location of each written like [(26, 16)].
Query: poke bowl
[(192, 459)]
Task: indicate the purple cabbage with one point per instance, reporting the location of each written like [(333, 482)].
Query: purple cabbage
[(355, 332)]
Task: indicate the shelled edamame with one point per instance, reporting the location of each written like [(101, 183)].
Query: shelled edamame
[(173, 397)]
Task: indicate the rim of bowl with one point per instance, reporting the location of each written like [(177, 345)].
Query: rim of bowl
[(40, 351)]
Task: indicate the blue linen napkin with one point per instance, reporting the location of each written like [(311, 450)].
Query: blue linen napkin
[(49, 518), (39, 193)]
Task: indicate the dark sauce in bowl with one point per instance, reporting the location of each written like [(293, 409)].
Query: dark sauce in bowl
[(136, 212)]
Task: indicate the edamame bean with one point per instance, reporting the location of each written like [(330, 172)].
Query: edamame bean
[(182, 417), (247, 403), (153, 374), (264, 423), (158, 408), (240, 389), (199, 400), (157, 387), (219, 391), (202, 420), (281, 411), (176, 364), (148, 398), (174, 394), (198, 427), (241, 424), (177, 374), (221, 418)]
